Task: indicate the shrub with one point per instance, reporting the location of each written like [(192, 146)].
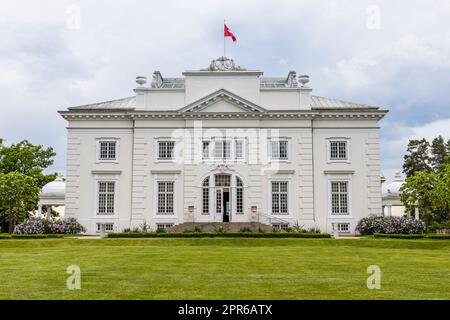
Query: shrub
[(72, 226), (31, 226), (443, 225), (390, 225), (217, 234), (49, 226), (399, 236), (412, 236)]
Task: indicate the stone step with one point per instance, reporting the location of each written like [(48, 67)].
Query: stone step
[(219, 226)]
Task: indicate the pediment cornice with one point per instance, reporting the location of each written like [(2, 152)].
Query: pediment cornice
[(222, 95)]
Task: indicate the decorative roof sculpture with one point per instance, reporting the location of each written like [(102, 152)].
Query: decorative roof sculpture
[(223, 64)]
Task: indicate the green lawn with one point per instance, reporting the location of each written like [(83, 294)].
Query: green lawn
[(224, 268)]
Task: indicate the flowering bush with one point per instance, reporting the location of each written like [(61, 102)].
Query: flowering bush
[(44, 226), (390, 225), (72, 226), (31, 226)]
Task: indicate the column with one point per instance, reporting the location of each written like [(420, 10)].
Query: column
[(39, 214)]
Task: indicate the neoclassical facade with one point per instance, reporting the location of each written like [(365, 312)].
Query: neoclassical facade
[(223, 144)]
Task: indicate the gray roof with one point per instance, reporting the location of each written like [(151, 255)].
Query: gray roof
[(327, 103), (119, 104), (130, 103)]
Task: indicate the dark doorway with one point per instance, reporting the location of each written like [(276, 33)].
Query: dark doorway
[(226, 206)]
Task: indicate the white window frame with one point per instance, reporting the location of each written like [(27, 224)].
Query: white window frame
[(278, 139), (340, 178), (210, 146), (242, 188), (98, 226), (98, 148), (290, 199), (222, 142), (176, 147), (280, 226), (213, 143), (166, 178), (340, 225), (97, 198), (159, 143), (166, 193), (347, 140), (164, 225)]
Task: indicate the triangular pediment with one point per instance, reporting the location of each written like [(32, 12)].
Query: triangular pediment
[(222, 101)]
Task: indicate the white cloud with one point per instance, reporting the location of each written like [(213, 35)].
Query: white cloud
[(46, 67)]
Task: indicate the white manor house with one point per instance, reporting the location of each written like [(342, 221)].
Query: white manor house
[(223, 145)]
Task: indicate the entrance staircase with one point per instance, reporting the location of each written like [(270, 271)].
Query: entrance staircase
[(219, 226)]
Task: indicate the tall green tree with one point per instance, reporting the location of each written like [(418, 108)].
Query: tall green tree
[(439, 150), (19, 195), (28, 159), (417, 157)]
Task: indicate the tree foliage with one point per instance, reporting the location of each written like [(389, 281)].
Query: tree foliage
[(430, 193), (19, 195), (425, 157), (26, 163), (28, 159)]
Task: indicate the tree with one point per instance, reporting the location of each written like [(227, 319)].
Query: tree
[(19, 195), (28, 159), (439, 150), (417, 157), (430, 193)]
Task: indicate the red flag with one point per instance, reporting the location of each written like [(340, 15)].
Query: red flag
[(228, 33)]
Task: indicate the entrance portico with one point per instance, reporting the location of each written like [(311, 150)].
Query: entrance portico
[(222, 196)]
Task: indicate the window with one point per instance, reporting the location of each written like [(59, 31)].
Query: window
[(338, 150), (339, 197), (163, 226), (107, 150), (205, 149), (239, 149), (222, 149), (239, 196), (106, 197), (166, 150), (205, 200), (165, 197), (279, 150), (343, 227), (109, 227), (219, 201), (222, 180), (279, 197), (280, 226)]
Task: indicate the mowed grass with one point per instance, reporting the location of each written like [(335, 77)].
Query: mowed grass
[(224, 268)]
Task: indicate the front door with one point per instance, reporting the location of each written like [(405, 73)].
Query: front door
[(226, 206)]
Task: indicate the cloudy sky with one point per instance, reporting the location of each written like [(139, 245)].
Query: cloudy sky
[(55, 54)]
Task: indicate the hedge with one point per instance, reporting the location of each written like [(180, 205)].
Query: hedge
[(30, 236), (219, 235), (412, 236)]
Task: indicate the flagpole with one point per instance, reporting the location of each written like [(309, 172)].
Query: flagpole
[(224, 42)]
